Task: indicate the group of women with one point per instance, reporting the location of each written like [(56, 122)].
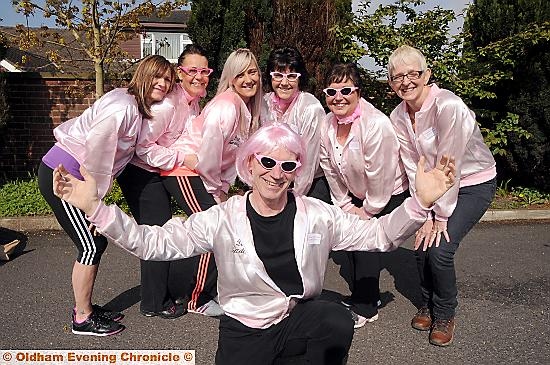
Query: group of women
[(155, 141)]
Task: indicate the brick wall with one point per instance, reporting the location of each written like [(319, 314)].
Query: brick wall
[(37, 104)]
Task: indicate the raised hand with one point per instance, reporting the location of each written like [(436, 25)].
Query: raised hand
[(80, 194), (431, 185)]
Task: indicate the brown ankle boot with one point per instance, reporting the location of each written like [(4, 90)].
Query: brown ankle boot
[(422, 320), (442, 332)]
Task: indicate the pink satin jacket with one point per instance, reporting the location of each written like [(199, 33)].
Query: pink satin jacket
[(444, 126), (371, 168), (156, 147), (103, 138), (246, 292), (305, 116), (214, 137)]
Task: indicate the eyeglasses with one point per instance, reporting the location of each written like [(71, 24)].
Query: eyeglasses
[(412, 75), (343, 91), (193, 71), (269, 163), (279, 76)]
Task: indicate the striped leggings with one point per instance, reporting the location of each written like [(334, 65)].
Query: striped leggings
[(191, 196), (72, 220)]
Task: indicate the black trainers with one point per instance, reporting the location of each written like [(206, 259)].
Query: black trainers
[(173, 312), (96, 325), (106, 313)]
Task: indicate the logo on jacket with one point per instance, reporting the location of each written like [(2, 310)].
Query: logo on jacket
[(238, 247)]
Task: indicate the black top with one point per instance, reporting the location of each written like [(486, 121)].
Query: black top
[(274, 243)]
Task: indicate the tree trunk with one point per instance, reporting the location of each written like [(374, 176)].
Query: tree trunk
[(99, 79)]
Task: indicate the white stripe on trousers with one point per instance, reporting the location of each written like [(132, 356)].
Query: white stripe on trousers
[(79, 223)]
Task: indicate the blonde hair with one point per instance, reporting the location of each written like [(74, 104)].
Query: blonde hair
[(406, 54), (237, 62), (140, 86)]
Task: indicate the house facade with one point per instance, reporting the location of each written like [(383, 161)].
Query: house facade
[(41, 95)]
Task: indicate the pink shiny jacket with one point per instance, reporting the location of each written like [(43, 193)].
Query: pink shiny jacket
[(246, 292), (444, 126), (214, 137), (103, 138), (371, 168), (156, 148), (305, 116)]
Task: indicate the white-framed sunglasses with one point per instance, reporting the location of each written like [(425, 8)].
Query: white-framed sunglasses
[(345, 91), (279, 76), (269, 163)]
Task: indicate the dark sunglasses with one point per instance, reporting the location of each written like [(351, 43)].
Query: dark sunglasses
[(344, 91), (269, 163)]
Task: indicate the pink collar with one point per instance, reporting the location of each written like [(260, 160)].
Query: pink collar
[(349, 119), (190, 98), (281, 105)]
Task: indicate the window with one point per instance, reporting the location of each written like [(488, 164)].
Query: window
[(169, 45)]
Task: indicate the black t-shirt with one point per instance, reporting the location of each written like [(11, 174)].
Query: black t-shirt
[(274, 243)]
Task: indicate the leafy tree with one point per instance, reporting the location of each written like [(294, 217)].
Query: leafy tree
[(220, 26), (523, 28), (97, 28), (471, 72)]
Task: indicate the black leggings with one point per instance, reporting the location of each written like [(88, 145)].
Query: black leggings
[(72, 220), (191, 196)]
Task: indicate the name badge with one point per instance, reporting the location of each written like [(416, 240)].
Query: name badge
[(429, 133), (314, 239), (354, 145)]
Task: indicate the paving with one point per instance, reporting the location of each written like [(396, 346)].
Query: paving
[(503, 275)]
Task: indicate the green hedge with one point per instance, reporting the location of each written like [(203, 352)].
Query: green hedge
[(23, 198)]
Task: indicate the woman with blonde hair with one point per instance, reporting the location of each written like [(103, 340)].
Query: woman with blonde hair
[(103, 141), (209, 143)]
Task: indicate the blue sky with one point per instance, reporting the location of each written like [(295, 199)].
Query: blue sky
[(10, 17)]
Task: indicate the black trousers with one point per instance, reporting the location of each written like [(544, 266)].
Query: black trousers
[(149, 203), (323, 330), (191, 196), (320, 190), (365, 268)]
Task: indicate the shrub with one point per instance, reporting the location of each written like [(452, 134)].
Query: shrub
[(22, 198)]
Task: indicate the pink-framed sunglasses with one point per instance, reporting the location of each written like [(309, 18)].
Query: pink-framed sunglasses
[(345, 91), (269, 163), (193, 71)]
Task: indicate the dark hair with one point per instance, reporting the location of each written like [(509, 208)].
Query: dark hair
[(189, 50), (340, 72), (281, 58)]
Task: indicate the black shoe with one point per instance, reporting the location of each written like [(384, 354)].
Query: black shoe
[(96, 325), (107, 313), (175, 311)]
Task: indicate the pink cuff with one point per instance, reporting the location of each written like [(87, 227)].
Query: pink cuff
[(102, 216)]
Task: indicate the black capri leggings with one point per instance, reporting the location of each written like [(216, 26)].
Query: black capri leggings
[(72, 220)]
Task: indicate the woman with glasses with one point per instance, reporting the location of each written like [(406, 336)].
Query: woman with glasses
[(143, 187), (102, 140), (360, 158), (272, 248), (433, 122), (209, 143), (285, 101)]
